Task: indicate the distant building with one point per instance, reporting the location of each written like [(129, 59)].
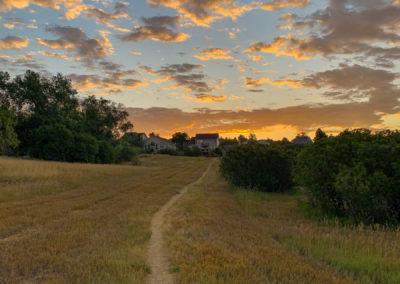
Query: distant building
[(156, 143), (207, 142), (302, 140)]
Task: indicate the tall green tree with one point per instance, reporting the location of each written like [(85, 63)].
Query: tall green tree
[(319, 134), (180, 139)]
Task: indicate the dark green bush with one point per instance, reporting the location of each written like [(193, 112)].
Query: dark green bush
[(85, 148), (52, 142), (124, 152), (106, 154), (258, 167), (193, 151), (355, 176)]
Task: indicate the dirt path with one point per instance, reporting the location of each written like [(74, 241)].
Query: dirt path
[(157, 258)]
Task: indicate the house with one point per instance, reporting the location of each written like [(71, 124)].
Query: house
[(156, 143), (207, 142)]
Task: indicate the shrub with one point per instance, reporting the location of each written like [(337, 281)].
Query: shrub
[(355, 176), (258, 167), (193, 151), (126, 153)]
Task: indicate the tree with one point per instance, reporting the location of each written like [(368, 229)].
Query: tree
[(252, 137), (104, 119), (242, 139), (8, 137), (319, 134), (180, 139), (52, 123)]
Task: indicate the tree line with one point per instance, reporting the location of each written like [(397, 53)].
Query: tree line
[(43, 117), (354, 176)]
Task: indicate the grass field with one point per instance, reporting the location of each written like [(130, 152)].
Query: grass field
[(78, 223), (217, 234)]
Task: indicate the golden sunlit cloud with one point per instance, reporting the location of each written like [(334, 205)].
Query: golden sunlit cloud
[(13, 42), (135, 52), (281, 4), (202, 13), (213, 53)]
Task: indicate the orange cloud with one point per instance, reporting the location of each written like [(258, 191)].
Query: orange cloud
[(13, 42), (6, 5), (202, 13), (284, 45), (214, 53), (281, 4)]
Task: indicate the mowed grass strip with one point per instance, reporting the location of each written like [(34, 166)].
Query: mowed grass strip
[(216, 235), (79, 223)]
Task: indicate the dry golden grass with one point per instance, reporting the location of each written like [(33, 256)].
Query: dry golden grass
[(219, 235), (77, 223)]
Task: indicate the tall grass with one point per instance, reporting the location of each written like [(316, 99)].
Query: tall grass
[(217, 234), (79, 223)]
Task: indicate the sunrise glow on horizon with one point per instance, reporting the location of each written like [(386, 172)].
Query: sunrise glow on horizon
[(270, 67)]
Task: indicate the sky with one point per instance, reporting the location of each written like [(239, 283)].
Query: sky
[(270, 67)]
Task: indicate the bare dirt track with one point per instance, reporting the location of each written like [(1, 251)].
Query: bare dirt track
[(157, 257)]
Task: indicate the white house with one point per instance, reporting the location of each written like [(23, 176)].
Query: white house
[(156, 143), (207, 142)]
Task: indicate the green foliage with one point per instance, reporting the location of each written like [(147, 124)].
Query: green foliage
[(257, 167), (52, 123), (8, 137), (126, 153), (319, 134), (355, 175), (52, 142), (193, 151), (85, 148), (106, 153), (134, 139), (180, 139), (218, 151)]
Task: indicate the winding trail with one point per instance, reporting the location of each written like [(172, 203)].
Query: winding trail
[(157, 257)]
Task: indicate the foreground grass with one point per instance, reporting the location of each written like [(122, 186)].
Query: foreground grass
[(77, 223), (219, 235)]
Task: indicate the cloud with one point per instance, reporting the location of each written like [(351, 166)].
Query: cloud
[(75, 40), (13, 42), (135, 52), (213, 53), (305, 117), (349, 82), (345, 27), (161, 28), (6, 5), (203, 13), (22, 61), (101, 16), (179, 74), (376, 88), (112, 83), (204, 98), (281, 4), (53, 54), (255, 58)]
